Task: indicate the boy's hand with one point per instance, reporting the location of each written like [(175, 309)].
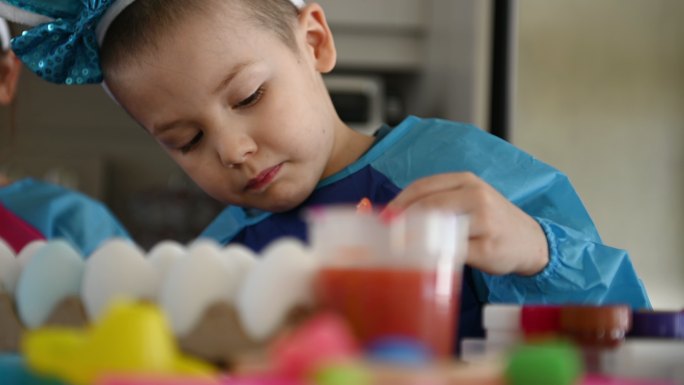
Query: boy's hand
[(503, 239)]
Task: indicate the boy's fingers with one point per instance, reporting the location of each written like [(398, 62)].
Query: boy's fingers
[(460, 201), (428, 186), (481, 254)]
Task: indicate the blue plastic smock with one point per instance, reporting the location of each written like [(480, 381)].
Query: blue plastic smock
[(581, 270), (57, 212)]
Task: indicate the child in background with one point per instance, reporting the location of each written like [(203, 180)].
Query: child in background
[(233, 91), (32, 210)]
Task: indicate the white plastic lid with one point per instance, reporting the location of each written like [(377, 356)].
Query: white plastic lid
[(502, 317)]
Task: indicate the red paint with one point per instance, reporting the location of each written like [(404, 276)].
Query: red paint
[(364, 206), (384, 302)]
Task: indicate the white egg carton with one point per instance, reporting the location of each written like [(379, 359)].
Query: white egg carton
[(212, 295)]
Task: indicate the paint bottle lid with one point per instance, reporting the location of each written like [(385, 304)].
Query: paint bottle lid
[(539, 321), (502, 317), (657, 324), (551, 363), (599, 326)]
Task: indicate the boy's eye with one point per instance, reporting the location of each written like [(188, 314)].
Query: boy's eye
[(191, 144), (251, 99)]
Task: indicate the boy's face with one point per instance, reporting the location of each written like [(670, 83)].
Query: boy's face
[(243, 114)]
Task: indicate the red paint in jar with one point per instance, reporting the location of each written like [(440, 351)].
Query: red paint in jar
[(380, 302)]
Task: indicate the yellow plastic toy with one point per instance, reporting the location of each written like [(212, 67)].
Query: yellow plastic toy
[(131, 338)]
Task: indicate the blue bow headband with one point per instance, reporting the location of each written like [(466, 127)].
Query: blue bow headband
[(63, 47)]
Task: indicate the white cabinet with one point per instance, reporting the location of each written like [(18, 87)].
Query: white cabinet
[(377, 14), (445, 44), (378, 34)]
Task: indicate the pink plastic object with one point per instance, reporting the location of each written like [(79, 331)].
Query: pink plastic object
[(261, 380), (600, 380), (322, 339), (15, 231)]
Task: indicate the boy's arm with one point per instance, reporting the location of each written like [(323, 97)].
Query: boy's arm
[(581, 268)]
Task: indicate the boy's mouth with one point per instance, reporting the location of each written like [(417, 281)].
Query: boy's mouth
[(264, 178)]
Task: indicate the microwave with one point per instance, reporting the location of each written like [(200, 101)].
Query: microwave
[(359, 100)]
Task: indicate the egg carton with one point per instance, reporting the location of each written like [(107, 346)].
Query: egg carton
[(220, 302)]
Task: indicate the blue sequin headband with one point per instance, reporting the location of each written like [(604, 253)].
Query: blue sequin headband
[(63, 47)]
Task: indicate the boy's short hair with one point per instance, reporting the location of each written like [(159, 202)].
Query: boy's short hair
[(142, 22)]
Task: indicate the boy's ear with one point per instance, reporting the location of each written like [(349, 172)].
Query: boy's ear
[(319, 38), (10, 68)]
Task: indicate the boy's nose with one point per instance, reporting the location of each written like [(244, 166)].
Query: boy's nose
[(236, 150)]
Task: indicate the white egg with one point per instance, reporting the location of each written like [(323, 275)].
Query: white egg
[(9, 268), (204, 242), (28, 251), (162, 256), (118, 269), (280, 281), (194, 283), (241, 259), (53, 274), (6, 248)]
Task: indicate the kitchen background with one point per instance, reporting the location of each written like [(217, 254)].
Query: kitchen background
[(596, 88)]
